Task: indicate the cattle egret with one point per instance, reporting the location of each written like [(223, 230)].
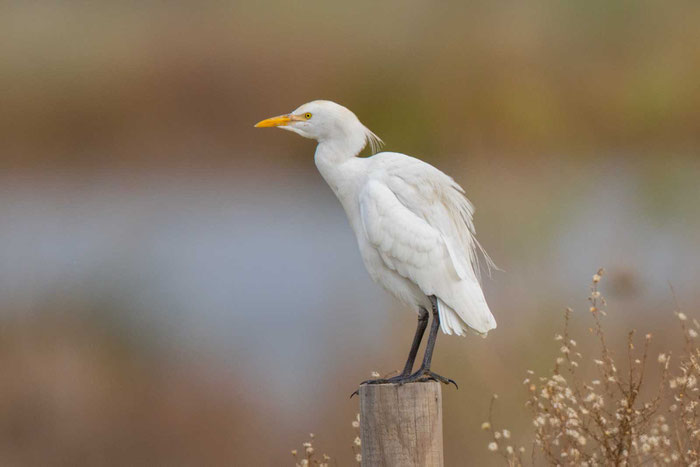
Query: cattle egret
[(412, 222)]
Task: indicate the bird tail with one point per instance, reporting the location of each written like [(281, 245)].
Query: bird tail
[(475, 317)]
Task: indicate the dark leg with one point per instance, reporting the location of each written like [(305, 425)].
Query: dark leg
[(420, 330), (423, 373), (417, 338), (432, 337)]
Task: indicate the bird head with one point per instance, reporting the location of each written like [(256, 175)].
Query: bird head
[(325, 121)]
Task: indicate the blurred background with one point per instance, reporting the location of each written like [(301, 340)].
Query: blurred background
[(179, 288)]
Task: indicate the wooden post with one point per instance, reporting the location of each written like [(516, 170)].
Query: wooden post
[(401, 425)]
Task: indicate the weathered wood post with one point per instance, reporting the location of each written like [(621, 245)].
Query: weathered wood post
[(401, 425)]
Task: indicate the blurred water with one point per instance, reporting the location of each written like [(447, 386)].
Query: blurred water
[(248, 273), (222, 263)]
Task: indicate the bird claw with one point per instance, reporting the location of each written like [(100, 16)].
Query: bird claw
[(418, 376), (423, 375), (430, 376), (394, 379)]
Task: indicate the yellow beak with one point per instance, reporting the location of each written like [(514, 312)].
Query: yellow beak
[(281, 120)]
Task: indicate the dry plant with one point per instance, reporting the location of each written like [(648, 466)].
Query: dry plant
[(309, 460), (308, 455), (357, 443), (621, 417)]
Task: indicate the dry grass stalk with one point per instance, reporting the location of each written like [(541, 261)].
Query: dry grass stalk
[(606, 421), (308, 459)]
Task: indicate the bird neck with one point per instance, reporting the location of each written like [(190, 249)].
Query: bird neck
[(331, 156)]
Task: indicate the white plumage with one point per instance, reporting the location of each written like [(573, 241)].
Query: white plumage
[(418, 222), (412, 222)]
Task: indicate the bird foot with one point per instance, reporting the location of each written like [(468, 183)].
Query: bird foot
[(393, 380), (422, 375), (427, 375)]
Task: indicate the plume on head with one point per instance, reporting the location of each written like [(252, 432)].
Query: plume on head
[(374, 141)]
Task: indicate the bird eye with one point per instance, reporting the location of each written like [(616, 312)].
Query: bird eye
[(307, 115)]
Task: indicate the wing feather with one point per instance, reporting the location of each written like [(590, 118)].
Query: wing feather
[(421, 224)]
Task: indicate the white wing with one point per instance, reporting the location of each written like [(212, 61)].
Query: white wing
[(419, 221)]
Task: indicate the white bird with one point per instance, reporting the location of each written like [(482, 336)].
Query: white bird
[(413, 226)]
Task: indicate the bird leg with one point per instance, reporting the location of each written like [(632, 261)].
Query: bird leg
[(424, 373), (417, 338)]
